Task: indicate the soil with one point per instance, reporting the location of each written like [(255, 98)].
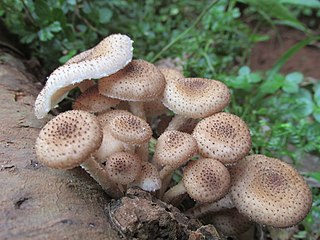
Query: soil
[(265, 54)]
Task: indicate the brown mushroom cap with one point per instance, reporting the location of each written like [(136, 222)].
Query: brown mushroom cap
[(68, 139), (223, 136), (91, 101), (111, 54), (138, 81), (149, 179), (269, 191), (130, 129), (170, 73), (206, 180), (229, 222), (123, 167), (195, 97), (174, 149)]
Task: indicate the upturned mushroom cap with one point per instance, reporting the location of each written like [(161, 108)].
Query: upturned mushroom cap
[(138, 81), (269, 191), (229, 222), (149, 179), (223, 136), (109, 56), (92, 101), (195, 97), (174, 149), (123, 167), (68, 139), (130, 129), (206, 180)]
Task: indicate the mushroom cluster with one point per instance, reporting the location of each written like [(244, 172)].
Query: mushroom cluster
[(114, 120)]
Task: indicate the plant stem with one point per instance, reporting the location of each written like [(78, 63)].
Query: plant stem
[(204, 11)]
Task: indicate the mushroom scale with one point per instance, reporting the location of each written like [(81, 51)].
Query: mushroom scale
[(206, 180), (269, 191), (195, 97), (68, 139), (109, 56), (223, 136)]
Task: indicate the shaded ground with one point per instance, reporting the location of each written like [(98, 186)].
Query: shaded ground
[(265, 54)]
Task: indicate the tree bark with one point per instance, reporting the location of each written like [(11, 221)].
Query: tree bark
[(37, 202)]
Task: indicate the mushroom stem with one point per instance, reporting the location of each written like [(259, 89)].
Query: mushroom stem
[(137, 109), (175, 194), (202, 209), (165, 176), (99, 174), (143, 151), (177, 122)]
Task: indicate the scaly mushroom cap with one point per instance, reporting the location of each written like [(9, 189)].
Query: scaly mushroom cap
[(269, 191), (174, 149), (130, 129), (109, 56), (149, 179), (138, 81), (109, 144), (206, 180), (68, 139), (195, 97), (223, 136), (123, 167), (92, 101), (229, 222)]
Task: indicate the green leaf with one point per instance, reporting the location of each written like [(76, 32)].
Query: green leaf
[(291, 82), (305, 3), (28, 38), (245, 70), (65, 58), (274, 8), (314, 175), (303, 103), (272, 85), (55, 27), (316, 95), (105, 15), (316, 113)]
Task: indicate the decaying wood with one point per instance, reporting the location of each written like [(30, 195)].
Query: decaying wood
[(37, 202)]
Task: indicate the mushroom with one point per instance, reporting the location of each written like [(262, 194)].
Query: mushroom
[(205, 180), (194, 98), (149, 179), (109, 56), (123, 168), (223, 136), (109, 144), (173, 149), (91, 101), (138, 82), (269, 191), (68, 141)]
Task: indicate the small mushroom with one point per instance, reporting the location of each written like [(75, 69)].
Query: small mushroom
[(131, 130), (138, 82), (123, 168), (223, 136), (149, 179), (109, 144), (91, 101), (269, 191), (205, 180), (68, 141), (194, 98), (109, 56), (173, 149)]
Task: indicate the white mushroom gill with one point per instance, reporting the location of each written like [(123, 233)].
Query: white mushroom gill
[(109, 56)]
